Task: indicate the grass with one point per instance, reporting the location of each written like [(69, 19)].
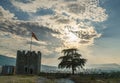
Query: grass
[(18, 79), (24, 79), (90, 79), (51, 78), (50, 81)]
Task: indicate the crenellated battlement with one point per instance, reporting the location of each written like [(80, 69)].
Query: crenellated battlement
[(28, 53)]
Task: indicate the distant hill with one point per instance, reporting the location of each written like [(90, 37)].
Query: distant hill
[(4, 60), (105, 67), (46, 68)]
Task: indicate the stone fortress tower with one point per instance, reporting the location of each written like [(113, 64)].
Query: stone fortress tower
[(28, 62)]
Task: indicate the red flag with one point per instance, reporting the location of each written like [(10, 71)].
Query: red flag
[(34, 36)]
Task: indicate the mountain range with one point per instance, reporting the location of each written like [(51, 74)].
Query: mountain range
[(4, 60), (104, 67)]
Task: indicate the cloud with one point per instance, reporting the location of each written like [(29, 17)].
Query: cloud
[(11, 42), (6, 15), (69, 15), (66, 16), (58, 25), (33, 5), (16, 35), (83, 9)]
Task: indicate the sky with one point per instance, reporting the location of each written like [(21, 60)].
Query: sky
[(91, 26)]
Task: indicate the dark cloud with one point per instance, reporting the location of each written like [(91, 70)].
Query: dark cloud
[(12, 27), (34, 43), (65, 14), (25, 1), (52, 55), (87, 35), (76, 8), (64, 21), (47, 42), (84, 41), (69, 0), (22, 28)]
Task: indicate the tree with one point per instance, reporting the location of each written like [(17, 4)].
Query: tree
[(71, 59)]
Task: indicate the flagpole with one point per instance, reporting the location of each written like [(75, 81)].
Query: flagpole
[(34, 36), (31, 43)]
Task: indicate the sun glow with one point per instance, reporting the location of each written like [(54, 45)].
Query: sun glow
[(72, 37)]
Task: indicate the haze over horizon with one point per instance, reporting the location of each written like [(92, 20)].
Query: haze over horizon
[(92, 26)]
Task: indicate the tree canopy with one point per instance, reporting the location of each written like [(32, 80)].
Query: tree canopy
[(71, 59)]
